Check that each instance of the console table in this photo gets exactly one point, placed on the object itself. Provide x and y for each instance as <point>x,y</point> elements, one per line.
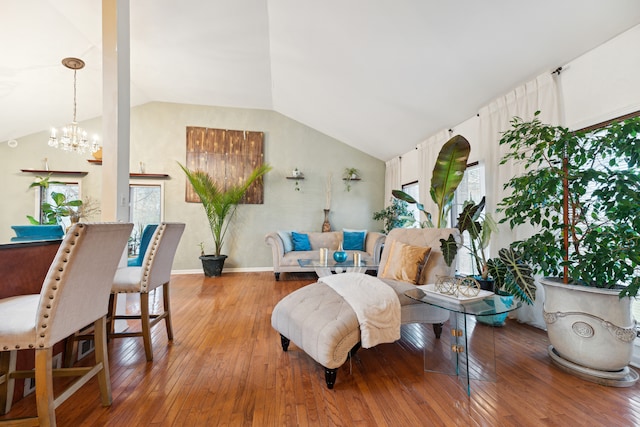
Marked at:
<point>469,353</point>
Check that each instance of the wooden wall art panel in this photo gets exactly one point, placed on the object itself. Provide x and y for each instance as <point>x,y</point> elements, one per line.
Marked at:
<point>228,157</point>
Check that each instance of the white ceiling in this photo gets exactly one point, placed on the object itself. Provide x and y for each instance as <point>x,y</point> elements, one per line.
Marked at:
<point>380,75</point>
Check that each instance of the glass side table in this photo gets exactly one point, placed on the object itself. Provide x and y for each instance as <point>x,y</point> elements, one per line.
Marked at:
<point>469,353</point>
<point>330,267</point>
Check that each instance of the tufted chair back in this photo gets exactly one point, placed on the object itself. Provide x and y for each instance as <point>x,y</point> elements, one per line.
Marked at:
<point>156,267</point>
<point>76,289</point>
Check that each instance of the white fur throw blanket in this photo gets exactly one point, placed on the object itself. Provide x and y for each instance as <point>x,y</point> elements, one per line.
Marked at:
<point>375,303</point>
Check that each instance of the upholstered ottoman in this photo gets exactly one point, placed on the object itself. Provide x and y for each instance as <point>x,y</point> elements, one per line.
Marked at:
<point>321,323</point>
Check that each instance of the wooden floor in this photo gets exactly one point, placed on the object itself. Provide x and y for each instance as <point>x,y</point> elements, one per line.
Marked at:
<point>226,367</point>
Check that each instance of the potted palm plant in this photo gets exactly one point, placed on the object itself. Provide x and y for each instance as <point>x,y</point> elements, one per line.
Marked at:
<point>580,190</point>
<point>219,205</point>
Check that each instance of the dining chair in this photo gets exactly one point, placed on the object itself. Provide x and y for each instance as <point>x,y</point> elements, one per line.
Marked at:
<point>147,232</point>
<point>74,294</point>
<point>154,272</point>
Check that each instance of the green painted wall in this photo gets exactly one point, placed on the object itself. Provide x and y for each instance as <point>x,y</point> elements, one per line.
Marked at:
<point>158,132</point>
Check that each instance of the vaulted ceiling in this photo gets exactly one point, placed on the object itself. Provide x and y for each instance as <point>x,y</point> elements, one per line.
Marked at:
<point>378,75</point>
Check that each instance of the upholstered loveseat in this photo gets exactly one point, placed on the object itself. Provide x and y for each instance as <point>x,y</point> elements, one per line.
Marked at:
<point>286,251</point>
<point>321,323</point>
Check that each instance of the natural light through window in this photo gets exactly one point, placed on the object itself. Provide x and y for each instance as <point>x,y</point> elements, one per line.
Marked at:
<point>472,187</point>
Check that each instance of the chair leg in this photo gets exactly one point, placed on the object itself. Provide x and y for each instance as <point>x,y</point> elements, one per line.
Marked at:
<point>44,387</point>
<point>70,351</point>
<point>167,309</point>
<point>7,365</point>
<point>146,326</point>
<point>100,340</point>
<point>111,312</point>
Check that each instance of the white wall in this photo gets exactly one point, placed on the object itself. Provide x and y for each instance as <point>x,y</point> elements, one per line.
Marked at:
<point>158,138</point>
<point>600,85</point>
<point>604,83</point>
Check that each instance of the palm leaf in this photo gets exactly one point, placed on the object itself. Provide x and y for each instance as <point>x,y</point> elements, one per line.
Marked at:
<point>219,204</point>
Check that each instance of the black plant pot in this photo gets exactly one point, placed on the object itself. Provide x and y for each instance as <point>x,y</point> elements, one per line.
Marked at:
<point>485,284</point>
<point>212,264</point>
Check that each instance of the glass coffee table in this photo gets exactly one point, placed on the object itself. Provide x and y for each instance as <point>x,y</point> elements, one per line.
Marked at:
<point>469,351</point>
<point>331,267</point>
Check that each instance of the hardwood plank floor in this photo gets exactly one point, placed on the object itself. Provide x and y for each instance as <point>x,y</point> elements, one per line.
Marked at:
<point>226,367</point>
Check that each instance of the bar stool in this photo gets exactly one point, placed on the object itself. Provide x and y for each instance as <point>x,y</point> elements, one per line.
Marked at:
<point>75,293</point>
<point>154,272</point>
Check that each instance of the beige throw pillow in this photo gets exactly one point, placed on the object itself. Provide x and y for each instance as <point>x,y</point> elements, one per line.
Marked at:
<point>405,262</point>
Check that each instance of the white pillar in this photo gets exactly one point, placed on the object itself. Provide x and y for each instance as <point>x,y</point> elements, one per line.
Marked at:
<point>116,110</point>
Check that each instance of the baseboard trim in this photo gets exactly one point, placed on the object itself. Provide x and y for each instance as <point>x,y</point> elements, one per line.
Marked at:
<point>226,269</point>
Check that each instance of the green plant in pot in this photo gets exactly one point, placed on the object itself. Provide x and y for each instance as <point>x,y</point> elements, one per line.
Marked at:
<point>61,207</point>
<point>349,175</point>
<point>396,215</point>
<point>506,274</point>
<point>447,175</point>
<point>580,191</point>
<point>50,223</point>
<point>219,205</point>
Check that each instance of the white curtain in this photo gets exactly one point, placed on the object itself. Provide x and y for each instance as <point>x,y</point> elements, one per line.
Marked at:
<point>392,179</point>
<point>541,95</point>
<point>428,151</point>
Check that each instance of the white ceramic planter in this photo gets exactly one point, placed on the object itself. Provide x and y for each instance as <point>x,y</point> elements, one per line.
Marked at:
<point>590,327</point>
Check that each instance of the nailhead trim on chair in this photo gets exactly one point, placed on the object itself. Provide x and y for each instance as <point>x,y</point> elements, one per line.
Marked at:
<point>152,249</point>
<point>54,288</point>
<point>61,269</point>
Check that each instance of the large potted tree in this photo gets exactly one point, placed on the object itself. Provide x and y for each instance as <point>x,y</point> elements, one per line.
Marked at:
<point>219,205</point>
<point>580,191</point>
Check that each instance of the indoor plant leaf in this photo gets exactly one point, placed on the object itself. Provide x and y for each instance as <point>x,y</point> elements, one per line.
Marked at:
<point>448,172</point>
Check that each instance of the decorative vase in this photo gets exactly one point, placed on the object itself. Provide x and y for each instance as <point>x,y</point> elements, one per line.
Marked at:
<point>497,319</point>
<point>591,331</point>
<point>340,255</point>
<point>326,225</point>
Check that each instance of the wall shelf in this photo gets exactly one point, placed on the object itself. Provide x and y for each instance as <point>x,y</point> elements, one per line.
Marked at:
<point>81,173</point>
<point>295,177</point>
<point>352,179</point>
<point>54,172</point>
<point>149,175</point>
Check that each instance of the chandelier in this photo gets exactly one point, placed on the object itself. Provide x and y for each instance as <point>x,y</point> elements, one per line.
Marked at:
<point>73,137</point>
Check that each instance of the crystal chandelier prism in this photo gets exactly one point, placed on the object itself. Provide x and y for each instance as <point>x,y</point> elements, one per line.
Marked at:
<point>72,137</point>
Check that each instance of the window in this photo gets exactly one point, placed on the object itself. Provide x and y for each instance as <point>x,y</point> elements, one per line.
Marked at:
<point>146,206</point>
<point>413,189</point>
<point>472,187</point>
<point>71,191</point>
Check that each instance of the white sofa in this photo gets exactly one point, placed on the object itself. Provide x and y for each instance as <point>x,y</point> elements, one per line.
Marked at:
<point>286,261</point>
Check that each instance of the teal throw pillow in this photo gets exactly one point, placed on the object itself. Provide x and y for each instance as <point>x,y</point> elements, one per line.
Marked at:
<point>353,240</point>
<point>286,240</point>
<point>300,241</point>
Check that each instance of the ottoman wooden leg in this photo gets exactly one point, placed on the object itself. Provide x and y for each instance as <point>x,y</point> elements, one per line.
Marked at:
<point>285,342</point>
<point>330,377</point>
